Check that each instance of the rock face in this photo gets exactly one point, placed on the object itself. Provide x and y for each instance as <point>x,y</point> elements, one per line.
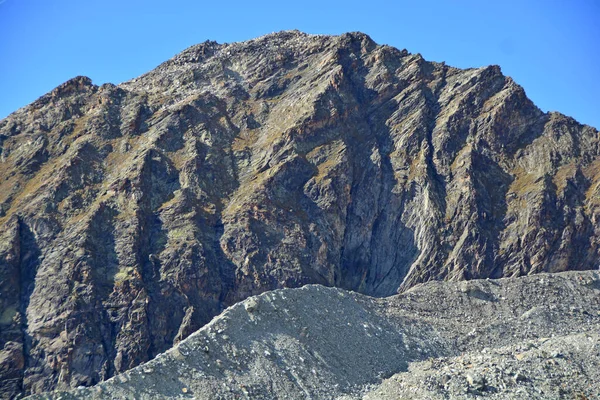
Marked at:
<point>516,338</point>
<point>130,215</point>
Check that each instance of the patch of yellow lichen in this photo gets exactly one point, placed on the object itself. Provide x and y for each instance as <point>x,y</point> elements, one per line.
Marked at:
<point>592,173</point>
<point>461,158</point>
<point>524,182</point>
<point>325,167</point>
<point>562,176</point>
<point>123,274</point>
<point>245,140</point>
<point>418,166</point>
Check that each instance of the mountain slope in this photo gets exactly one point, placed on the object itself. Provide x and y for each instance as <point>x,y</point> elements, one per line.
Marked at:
<point>130,215</point>
<point>326,343</point>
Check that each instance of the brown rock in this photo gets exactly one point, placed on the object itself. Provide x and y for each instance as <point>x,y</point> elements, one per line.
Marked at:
<point>132,214</point>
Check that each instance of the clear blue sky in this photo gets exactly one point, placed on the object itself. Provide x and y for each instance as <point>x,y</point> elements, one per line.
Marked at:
<point>550,47</point>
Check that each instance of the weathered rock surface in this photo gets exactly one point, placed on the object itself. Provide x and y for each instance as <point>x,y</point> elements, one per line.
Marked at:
<point>131,214</point>
<point>515,338</point>
<point>563,367</point>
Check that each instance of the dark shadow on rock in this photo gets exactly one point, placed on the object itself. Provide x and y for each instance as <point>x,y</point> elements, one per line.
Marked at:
<point>29,261</point>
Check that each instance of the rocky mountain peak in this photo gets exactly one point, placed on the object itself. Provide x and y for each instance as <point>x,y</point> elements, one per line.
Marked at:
<point>131,214</point>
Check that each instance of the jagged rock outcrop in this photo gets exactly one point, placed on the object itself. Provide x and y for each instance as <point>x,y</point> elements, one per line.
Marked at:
<point>131,214</point>
<point>516,338</point>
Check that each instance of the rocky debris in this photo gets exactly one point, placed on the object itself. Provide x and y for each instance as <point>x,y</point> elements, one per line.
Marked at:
<point>132,214</point>
<point>290,345</point>
<point>318,342</point>
<point>524,371</point>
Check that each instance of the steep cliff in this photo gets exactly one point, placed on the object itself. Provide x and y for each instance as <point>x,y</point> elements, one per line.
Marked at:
<point>130,215</point>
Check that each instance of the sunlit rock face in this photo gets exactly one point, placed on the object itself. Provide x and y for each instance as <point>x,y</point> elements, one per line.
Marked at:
<point>131,214</point>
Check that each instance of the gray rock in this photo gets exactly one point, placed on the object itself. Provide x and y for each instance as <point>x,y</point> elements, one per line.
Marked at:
<point>411,346</point>
<point>477,382</point>
<point>134,213</point>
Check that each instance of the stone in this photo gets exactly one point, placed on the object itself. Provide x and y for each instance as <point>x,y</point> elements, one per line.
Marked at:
<point>132,214</point>
<point>476,381</point>
<point>266,358</point>
<point>519,377</point>
<point>251,305</point>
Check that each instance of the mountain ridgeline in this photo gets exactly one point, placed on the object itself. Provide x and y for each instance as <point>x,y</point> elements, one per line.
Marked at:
<point>132,214</point>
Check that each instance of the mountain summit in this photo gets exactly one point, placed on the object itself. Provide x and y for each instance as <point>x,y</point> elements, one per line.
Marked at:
<point>131,214</point>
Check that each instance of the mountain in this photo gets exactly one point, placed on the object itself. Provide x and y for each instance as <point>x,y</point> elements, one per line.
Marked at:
<point>132,214</point>
<point>514,338</point>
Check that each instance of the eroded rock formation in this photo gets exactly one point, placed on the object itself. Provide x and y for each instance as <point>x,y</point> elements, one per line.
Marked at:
<point>131,214</point>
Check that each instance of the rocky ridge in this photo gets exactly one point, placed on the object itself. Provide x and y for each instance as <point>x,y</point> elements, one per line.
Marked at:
<point>534,337</point>
<point>131,214</point>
